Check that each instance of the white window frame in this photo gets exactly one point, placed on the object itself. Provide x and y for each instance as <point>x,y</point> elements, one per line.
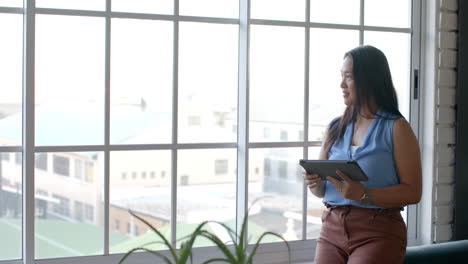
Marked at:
<point>268,253</point>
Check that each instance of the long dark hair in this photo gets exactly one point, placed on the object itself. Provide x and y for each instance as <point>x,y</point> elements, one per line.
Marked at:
<point>372,81</point>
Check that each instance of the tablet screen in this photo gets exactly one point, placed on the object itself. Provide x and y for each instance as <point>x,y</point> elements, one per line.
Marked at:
<point>326,168</point>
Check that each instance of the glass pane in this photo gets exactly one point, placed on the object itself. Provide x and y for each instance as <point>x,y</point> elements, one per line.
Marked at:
<point>73,4</point>
<point>276,182</point>
<point>69,204</point>
<point>276,83</point>
<point>11,3</point>
<point>397,49</point>
<point>142,185</point>
<point>210,8</point>
<point>315,206</point>
<point>292,10</point>
<point>10,205</point>
<point>11,81</point>
<point>144,6</point>
<point>141,79</point>
<point>69,80</point>
<point>325,95</point>
<point>208,82</point>
<point>335,11</point>
<point>206,190</point>
<point>396,13</point>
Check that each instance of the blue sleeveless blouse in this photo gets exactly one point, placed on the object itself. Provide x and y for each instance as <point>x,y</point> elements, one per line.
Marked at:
<point>374,156</point>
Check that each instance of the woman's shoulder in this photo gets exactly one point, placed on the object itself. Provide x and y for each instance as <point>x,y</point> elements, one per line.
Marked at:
<point>400,125</point>
<point>388,115</point>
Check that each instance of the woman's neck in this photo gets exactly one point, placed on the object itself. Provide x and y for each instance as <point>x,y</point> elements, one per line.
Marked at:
<point>367,111</point>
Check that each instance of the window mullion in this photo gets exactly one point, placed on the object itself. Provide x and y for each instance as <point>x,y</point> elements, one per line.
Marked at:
<point>243,112</point>
<point>175,131</point>
<point>107,127</point>
<point>306,115</point>
<point>28,130</point>
<point>361,22</point>
<point>412,214</point>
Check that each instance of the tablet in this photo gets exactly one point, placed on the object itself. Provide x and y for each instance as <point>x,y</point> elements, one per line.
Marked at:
<point>326,168</point>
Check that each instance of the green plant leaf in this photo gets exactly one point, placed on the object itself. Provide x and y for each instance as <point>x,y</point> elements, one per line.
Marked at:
<point>255,247</point>
<point>166,242</point>
<point>163,257</point>
<point>221,246</point>
<point>218,260</point>
<point>186,248</point>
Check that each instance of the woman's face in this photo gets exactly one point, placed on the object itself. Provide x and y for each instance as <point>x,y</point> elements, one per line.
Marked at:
<point>347,81</point>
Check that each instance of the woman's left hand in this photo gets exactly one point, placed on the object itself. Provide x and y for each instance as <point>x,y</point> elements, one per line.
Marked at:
<point>348,188</point>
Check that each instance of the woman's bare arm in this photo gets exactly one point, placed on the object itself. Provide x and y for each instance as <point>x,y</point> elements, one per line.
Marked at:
<point>408,165</point>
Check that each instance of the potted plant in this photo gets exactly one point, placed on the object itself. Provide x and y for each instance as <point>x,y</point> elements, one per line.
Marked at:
<point>181,256</point>
<point>238,255</point>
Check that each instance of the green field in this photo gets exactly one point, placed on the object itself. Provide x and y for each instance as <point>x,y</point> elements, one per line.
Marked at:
<point>55,239</point>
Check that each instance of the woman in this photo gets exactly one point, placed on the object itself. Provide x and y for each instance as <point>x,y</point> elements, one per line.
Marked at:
<point>362,223</point>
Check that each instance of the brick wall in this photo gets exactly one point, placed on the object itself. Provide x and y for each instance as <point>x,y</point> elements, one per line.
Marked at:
<point>443,197</point>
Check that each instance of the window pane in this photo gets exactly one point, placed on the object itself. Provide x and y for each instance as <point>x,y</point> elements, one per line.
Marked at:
<point>11,3</point>
<point>147,197</point>
<point>69,80</point>
<point>141,79</point>
<point>210,8</point>
<point>63,226</point>
<point>315,206</point>
<point>397,49</point>
<point>335,11</point>
<point>201,193</point>
<point>396,13</point>
<point>144,6</point>
<point>11,81</point>
<point>279,181</point>
<point>325,95</point>
<point>276,83</point>
<point>10,206</point>
<point>208,82</point>
<point>73,4</point>
<point>293,10</point>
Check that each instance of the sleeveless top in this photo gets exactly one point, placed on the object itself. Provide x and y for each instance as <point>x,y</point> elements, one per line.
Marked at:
<point>374,156</point>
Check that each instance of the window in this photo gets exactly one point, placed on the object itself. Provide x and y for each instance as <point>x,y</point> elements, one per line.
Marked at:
<point>78,211</point>
<point>41,161</point>
<point>221,167</point>
<point>42,192</point>
<point>266,132</point>
<point>301,135</point>
<point>89,171</point>
<point>89,212</point>
<point>194,120</point>
<point>62,206</point>
<point>5,156</point>
<point>79,169</point>
<point>18,158</point>
<point>284,135</point>
<point>61,165</point>
<point>116,225</point>
<point>267,167</point>
<point>124,108</point>
<point>283,169</point>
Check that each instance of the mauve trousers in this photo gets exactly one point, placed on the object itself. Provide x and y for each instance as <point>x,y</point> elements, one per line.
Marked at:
<point>356,235</point>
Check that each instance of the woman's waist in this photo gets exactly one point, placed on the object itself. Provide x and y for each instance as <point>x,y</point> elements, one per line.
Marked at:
<point>349,207</point>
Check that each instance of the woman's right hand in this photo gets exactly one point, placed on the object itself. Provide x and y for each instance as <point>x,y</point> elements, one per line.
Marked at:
<point>314,183</point>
